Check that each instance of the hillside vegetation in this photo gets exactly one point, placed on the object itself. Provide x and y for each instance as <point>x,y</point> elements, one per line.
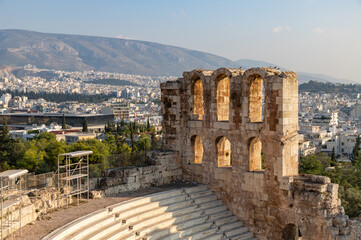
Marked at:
<point>326,87</point>
<point>80,53</point>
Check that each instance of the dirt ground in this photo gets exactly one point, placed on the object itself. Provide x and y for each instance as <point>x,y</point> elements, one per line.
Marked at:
<point>60,217</point>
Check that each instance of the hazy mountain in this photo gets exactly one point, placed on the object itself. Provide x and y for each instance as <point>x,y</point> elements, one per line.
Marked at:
<point>249,63</point>
<point>75,52</point>
<point>302,76</point>
<point>305,77</point>
<point>78,53</point>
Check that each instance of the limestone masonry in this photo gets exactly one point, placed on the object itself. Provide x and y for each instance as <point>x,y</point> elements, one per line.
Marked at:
<point>236,131</point>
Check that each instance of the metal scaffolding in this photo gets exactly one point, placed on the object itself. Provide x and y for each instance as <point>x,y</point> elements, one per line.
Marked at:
<point>73,174</point>
<point>10,188</point>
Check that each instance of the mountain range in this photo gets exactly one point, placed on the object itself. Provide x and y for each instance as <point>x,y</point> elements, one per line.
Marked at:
<point>79,53</point>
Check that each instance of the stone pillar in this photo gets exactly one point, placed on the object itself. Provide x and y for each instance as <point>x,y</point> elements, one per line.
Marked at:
<point>170,104</point>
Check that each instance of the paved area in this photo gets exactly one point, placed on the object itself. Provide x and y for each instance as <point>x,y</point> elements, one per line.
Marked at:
<point>60,217</point>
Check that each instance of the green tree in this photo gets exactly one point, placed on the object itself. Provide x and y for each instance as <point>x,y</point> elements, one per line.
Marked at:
<point>131,135</point>
<point>10,149</point>
<point>333,157</point>
<point>33,156</point>
<point>52,150</point>
<point>111,141</point>
<point>85,125</point>
<point>148,125</point>
<point>311,165</point>
<point>144,143</point>
<point>154,141</point>
<point>356,148</point>
<point>100,149</point>
<point>63,122</point>
<point>351,200</point>
<point>118,128</point>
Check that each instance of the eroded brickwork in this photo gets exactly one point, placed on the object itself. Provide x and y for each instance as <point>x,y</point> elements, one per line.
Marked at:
<point>247,122</point>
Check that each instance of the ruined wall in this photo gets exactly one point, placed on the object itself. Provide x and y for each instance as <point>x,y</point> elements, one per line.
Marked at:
<point>35,204</point>
<point>165,169</point>
<point>256,174</point>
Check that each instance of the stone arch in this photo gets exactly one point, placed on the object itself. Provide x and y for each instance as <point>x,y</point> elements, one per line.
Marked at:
<point>291,232</point>
<point>222,83</point>
<point>256,98</point>
<point>197,146</point>
<point>198,108</point>
<point>255,154</point>
<point>223,147</point>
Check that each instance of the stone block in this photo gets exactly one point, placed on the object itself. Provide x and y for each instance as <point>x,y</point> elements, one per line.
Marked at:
<point>94,194</point>
<point>315,187</point>
<point>221,125</point>
<point>339,222</point>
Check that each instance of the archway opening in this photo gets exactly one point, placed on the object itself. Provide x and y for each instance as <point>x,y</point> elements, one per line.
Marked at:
<point>197,145</point>
<point>256,98</point>
<point>256,161</point>
<point>222,98</point>
<point>198,99</point>
<point>224,158</point>
<point>291,232</point>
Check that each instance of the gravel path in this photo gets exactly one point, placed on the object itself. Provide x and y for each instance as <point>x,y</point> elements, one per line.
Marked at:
<point>60,217</point>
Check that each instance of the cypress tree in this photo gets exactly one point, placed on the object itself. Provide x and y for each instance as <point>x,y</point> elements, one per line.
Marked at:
<point>118,127</point>
<point>6,147</point>
<point>154,142</point>
<point>85,125</point>
<point>148,125</point>
<point>63,122</point>
<point>333,157</point>
<point>132,136</point>
<point>356,149</point>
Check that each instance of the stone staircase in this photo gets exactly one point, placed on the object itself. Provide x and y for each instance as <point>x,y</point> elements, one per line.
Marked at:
<point>187,213</point>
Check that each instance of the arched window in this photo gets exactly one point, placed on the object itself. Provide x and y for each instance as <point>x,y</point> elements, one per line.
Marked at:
<point>255,155</point>
<point>198,99</point>
<point>256,98</point>
<point>197,149</point>
<point>222,98</point>
<point>223,152</point>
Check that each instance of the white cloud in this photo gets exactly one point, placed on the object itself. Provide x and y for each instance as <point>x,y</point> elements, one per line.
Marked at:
<point>319,30</point>
<point>279,29</point>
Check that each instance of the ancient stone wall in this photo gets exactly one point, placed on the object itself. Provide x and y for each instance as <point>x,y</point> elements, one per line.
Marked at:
<point>247,122</point>
<point>165,168</point>
<point>35,204</point>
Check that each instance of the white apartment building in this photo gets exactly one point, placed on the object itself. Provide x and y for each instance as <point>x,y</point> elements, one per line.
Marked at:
<point>325,119</point>
<point>343,144</point>
<point>5,98</point>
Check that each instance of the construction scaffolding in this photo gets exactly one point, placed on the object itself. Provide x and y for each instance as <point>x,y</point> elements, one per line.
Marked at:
<point>10,202</point>
<point>73,174</point>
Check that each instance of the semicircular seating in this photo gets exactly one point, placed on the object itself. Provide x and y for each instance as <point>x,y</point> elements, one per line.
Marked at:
<point>187,213</point>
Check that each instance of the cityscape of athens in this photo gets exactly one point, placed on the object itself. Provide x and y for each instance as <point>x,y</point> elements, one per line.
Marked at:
<point>192,120</point>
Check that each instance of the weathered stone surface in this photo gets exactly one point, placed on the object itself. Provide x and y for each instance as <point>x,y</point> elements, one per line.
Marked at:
<point>35,204</point>
<point>247,122</point>
<point>166,169</point>
<point>94,194</point>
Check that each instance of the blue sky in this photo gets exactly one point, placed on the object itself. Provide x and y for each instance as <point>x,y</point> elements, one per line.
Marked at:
<point>318,36</point>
